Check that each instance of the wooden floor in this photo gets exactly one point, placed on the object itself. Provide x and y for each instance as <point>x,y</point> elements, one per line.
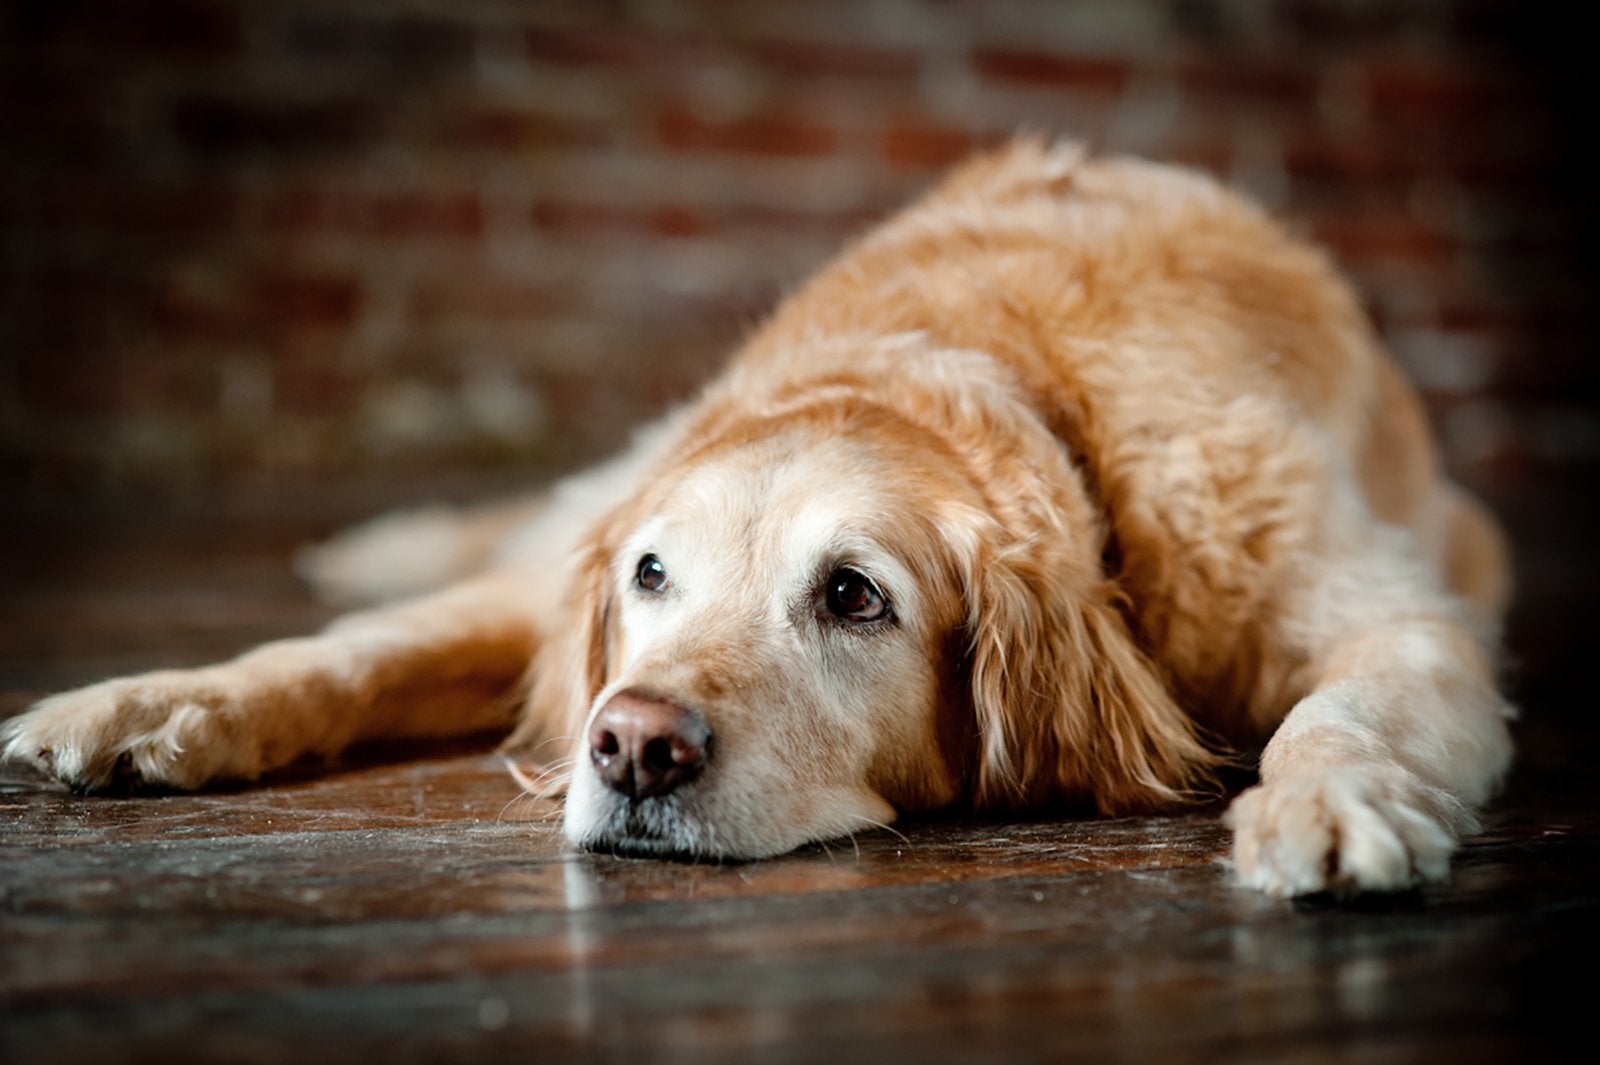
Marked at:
<point>405,905</point>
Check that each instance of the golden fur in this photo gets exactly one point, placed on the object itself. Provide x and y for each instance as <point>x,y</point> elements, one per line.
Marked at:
<point>1129,467</point>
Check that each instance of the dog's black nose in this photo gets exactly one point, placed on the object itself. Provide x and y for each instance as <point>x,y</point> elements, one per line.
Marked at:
<point>642,746</point>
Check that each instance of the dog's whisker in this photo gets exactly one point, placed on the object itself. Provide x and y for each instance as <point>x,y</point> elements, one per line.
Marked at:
<point>519,798</point>
<point>550,781</point>
<point>554,787</point>
<point>554,770</point>
<point>532,783</point>
<point>531,799</point>
<point>886,827</point>
<point>551,739</point>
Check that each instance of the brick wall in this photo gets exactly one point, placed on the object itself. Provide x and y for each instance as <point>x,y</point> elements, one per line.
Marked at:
<point>307,242</point>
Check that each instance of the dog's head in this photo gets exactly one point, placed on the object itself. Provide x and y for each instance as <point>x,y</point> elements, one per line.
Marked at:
<point>832,610</point>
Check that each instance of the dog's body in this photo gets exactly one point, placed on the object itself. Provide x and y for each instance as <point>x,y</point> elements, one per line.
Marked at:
<point>1057,485</point>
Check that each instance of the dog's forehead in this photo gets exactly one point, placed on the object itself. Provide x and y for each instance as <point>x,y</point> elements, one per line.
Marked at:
<point>784,490</point>
<point>782,502</point>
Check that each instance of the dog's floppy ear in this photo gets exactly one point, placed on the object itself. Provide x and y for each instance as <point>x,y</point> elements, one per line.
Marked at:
<point>572,662</point>
<point>1068,707</point>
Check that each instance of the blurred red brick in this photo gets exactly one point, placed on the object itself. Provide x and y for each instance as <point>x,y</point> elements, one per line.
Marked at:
<point>617,45</point>
<point>1062,70</point>
<point>303,300</point>
<point>376,214</point>
<point>491,299</point>
<point>576,217</point>
<point>1205,154</point>
<point>1255,79</point>
<point>677,220</point>
<point>835,58</point>
<point>515,129</point>
<point>1319,22</point>
<point>1357,239</point>
<point>258,303</point>
<point>1421,90</point>
<point>913,143</point>
<point>1319,158</point>
<point>776,133</point>
<point>303,387</point>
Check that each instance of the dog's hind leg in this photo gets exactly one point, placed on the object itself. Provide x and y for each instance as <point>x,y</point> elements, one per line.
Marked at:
<point>407,552</point>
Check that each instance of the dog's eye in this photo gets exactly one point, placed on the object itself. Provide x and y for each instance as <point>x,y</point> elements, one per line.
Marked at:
<point>851,596</point>
<point>652,575</point>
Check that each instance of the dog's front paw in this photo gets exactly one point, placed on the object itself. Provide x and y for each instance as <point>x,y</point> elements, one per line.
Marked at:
<point>1344,828</point>
<point>160,728</point>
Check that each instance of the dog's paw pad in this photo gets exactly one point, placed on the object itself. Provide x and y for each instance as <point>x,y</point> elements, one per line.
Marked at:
<point>1344,829</point>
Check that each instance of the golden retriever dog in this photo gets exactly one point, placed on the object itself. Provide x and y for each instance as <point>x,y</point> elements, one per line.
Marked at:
<point>1052,493</point>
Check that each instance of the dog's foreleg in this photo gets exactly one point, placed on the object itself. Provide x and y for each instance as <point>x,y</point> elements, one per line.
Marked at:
<point>1371,778</point>
<point>445,664</point>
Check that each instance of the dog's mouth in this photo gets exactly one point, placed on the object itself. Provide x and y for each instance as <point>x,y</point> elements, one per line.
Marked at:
<point>653,850</point>
<point>657,828</point>
<point>706,821</point>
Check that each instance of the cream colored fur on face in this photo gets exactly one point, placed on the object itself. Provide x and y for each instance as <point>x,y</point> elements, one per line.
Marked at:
<point>1127,461</point>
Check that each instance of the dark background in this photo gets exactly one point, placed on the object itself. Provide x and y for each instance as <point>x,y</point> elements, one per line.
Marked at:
<point>311,258</point>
